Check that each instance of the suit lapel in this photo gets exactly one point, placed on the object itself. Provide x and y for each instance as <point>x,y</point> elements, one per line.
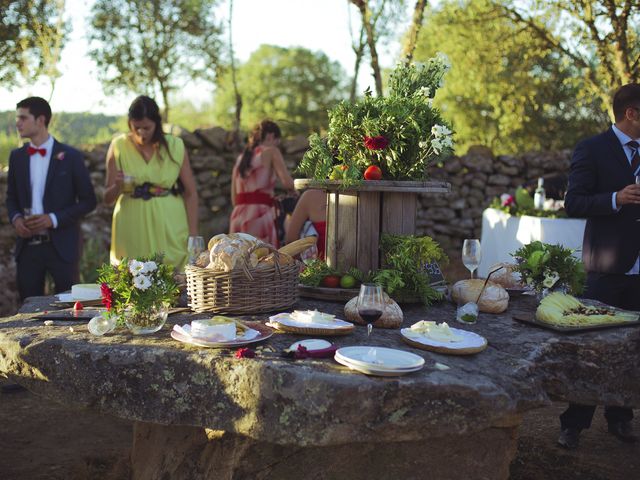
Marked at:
<point>53,164</point>
<point>618,151</point>
<point>26,177</point>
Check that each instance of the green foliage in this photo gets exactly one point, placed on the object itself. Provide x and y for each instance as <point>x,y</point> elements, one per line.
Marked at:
<point>32,34</point>
<point>507,90</point>
<point>409,132</point>
<point>404,257</point>
<point>292,86</point>
<point>515,208</point>
<point>314,272</point>
<point>138,284</point>
<point>94,254</point>
<point>148,47</point>
<point>544,266</point>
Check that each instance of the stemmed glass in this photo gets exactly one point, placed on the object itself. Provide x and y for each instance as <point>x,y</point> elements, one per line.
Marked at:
<point>370,304</point>
<point>471,254</point>
<point>195,246</point>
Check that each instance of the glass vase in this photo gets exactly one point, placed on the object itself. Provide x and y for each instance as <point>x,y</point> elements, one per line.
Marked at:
<point>147,321</point>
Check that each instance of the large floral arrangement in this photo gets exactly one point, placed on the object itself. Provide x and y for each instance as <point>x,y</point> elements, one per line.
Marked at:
<point>137,285</point>
<point>522,204</point>
<point>401,133</point>
<point>544,266</point>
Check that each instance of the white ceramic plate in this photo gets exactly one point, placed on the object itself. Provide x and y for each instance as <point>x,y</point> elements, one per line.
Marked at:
<point>385,358</point>
<point>285,319</point>
<point>469,340</point>
<point>68,298</point>
<point>263,333</point>
<point>376,371</point>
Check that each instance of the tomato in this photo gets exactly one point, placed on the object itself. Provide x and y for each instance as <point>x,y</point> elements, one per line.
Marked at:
<point>78,306</point>
<point>373,173</point>
<point>330,281</point>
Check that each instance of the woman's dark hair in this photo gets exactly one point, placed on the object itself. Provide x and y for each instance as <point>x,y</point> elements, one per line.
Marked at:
<point>146,107</point>
<point>259,133</point>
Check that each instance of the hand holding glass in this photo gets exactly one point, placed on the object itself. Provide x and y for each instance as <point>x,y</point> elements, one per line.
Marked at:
<point>471,254</point>
<point>370,304</point>
<point>195,246</point>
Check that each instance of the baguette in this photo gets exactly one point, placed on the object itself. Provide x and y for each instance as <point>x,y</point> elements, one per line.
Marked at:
<point>298,246</point>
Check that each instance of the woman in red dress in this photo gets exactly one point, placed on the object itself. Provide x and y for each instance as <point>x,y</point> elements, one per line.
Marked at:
<point>311,206</point>
<point>253,181</point>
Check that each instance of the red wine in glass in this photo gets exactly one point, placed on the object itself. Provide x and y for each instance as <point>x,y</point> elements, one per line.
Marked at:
<point>370,304</point>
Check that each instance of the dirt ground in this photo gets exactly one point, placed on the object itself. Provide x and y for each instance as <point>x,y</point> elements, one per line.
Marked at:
<point>41,440</point>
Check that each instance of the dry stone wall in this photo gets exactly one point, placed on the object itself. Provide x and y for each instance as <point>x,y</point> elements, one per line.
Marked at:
<point>476,178</point>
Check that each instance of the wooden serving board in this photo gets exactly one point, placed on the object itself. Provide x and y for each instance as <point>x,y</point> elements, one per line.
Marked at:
<point>530,318</point>
<point>445,350</point>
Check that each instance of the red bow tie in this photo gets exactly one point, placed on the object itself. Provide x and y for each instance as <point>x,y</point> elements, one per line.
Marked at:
<point>32,151</point>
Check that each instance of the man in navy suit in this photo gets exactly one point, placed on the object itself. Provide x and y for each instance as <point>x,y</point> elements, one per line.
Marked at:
<point>49,191</point>
<point>603,189</point>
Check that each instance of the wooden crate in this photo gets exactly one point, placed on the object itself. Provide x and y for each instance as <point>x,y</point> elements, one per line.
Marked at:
<point>358,216</point>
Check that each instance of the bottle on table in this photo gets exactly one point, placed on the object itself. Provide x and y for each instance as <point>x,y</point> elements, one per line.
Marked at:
<point>539,196</point>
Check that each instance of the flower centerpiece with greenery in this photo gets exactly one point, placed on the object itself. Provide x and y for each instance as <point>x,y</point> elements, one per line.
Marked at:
<point>549,267</point>
<point>522,204</point>
<point>401,133</point>
<point>138,292</point>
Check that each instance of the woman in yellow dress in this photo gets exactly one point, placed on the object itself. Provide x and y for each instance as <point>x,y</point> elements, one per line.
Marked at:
<point>152,214</point>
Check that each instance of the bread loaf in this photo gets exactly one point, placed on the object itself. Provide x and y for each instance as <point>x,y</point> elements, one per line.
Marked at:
<point>495,298</point>
<point>505,275</point>
<point>298,246</point>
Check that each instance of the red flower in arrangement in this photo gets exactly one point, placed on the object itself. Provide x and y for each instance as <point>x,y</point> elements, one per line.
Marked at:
<point>245,353</point>
<point>379,142</point>
<point>507,200</point>
<point>107,295</point>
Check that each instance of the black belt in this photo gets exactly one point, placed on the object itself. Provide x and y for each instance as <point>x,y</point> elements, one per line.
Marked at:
<point>38,239</point>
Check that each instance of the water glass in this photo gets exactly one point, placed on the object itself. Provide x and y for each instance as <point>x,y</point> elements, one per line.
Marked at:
<point>128,184</point>
<point>471,254</point>
<point>195,246</point>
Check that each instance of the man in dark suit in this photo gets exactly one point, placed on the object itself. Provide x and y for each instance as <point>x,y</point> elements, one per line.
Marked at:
<point>49,190</point>
<point>602,189</point>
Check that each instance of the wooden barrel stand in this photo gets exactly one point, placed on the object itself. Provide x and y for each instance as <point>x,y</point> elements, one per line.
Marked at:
<point>357,216</point>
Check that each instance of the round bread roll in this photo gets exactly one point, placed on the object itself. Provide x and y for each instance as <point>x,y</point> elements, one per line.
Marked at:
<point>505,275</point>
<point>495,298</point>
<point>391,317</point>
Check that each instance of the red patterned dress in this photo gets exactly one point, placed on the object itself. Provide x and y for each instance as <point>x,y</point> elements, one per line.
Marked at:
<point>253,212</point>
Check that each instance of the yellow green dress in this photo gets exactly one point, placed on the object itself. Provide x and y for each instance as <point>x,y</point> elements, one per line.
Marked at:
<point>143,227</point>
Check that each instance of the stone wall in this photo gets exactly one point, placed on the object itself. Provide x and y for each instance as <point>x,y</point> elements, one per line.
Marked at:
<point>476,178</point>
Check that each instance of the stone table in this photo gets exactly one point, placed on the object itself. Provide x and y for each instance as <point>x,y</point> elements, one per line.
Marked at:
<point>202,413</point>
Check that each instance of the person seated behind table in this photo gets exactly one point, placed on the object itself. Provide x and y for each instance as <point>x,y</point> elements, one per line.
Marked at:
<point>154,216</point>
<point>252,184</point>
<point>312,206</point>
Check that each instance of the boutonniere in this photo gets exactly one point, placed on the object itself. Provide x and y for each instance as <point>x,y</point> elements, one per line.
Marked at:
<point>60,156</point>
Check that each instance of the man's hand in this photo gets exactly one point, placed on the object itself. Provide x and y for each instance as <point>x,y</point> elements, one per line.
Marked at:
<point>628,195</point>
<point>21,229</point>
<point>36,223</point>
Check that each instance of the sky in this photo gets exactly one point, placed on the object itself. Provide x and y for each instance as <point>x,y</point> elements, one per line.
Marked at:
<point>313,24</point>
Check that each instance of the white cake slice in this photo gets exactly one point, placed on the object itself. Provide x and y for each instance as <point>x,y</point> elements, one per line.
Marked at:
<point>85,291</point>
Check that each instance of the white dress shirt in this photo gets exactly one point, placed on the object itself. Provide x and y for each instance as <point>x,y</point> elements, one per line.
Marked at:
<point>623,138</point>
<point>39,166</point>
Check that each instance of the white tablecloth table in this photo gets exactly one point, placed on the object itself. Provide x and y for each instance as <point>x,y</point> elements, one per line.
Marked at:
<point>503,234</point>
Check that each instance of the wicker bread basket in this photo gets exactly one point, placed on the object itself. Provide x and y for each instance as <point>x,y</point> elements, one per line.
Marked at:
<point>265,288</point>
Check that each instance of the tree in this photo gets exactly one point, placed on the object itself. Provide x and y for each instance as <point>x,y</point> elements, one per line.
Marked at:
<point>379,19</point>
<point>149,47</point>
<point>412,36</point>
<point>32,34</point>
<point>506,89</point>
<point>293,86</point>
<point>599,37</point>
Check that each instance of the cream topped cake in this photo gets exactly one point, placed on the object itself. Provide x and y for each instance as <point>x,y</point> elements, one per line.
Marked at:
<point>85,291</point>
<point>440,332</point>
<point>312,316</point>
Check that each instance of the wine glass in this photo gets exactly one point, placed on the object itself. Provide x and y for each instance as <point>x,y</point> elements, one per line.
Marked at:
<point>471,254</point>
<point>195,246</point>
<point>370,304</point>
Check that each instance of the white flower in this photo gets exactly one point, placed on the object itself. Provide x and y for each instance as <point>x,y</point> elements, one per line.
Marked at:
<point>440,131</point>
<point>136,267</point>
<point>443,60</point>
<point>141,282</point>
<point>424,91</point>
<point>149,267</point>
<point>550,279</point>
<point>424,144</point>
<point>436,146</point>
